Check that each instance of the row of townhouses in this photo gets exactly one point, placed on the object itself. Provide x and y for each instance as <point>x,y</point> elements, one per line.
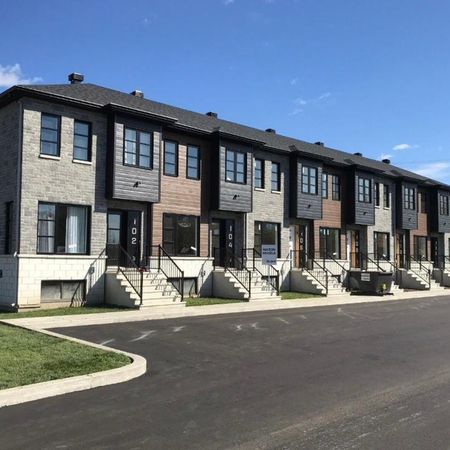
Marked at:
<point>108,196</point>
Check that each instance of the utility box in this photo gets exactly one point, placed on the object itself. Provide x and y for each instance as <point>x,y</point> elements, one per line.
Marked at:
<point>378,283</point>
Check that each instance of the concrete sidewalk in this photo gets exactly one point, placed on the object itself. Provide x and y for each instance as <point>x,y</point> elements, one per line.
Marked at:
<point>180,310</point>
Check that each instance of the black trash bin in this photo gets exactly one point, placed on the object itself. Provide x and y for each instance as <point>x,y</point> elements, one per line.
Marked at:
<point>365,282</point>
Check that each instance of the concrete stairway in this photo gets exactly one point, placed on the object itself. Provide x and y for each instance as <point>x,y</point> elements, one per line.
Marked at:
<point>304,281</point>
<point>417,279</point>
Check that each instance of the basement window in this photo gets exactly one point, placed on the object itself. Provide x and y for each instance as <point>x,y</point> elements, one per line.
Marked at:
<point>63,291</point>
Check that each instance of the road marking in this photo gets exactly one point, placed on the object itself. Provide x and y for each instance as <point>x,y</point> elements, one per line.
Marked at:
<point>238,327</point>
<point>144,334</point>
<point>303,317</point>
<point>283,320</point>
<point>108,341</point>
<point>177,329</point>
<point>255,326</point>
<point>345,313</point>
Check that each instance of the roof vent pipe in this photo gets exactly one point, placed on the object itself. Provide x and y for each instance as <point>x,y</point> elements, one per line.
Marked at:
<point>319,143</point>
<point>358,154</point>
<point>212,114</point>
<point>137,93</point>
<point>271,130</point>
<point>76,78</point>
<point>386,161</point>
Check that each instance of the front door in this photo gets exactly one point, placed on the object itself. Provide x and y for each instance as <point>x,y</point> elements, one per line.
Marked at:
<point>222,241</point>
<point>124,231</point>
<point>400,250</point>
<point>301,255</point>
<point>434,251</point>
<point>355,249</point>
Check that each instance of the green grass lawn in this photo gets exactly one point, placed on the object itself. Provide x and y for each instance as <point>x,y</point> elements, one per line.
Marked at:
<point>298,295</point>
<point>28,357</point>
<point>202,301</point>
<point>66,311</point>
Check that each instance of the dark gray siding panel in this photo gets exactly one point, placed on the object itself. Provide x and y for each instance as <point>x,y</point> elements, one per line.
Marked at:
<point>443,220</point>
<point>364,213</point>
<point>234,196</point>
<point>132,183</point>
<point>407,218</point>
<point>308,206</point>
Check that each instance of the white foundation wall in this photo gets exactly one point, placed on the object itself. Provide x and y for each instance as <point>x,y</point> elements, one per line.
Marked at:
<point>199,268</point>
<point>8,281</point>
<point>33,269</point>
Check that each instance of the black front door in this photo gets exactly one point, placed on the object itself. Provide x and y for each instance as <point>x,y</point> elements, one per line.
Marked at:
<point>222,241</point>
<point>124,231</point>
<point>434,251</point>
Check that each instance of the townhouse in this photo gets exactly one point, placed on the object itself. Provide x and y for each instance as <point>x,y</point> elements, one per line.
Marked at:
<point>109,196</point>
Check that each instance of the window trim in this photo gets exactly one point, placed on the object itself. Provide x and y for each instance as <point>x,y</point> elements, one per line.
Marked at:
<point>336,181</point>
<point>409,198</point>
<point>377,194</point>
<point>278,173</point>
<point>88,228</point>
<point>325,253</point>
<point>375,253</point>
<point>138,148</point>
<point>324,181</point>
<point>309,177</point>
<point>89,149</point>
<point>58,136</point>
<point>198,162</point>
<point>364,195</point>
<point>263,173</point>
<point>234,181</point>
<point>197,233</point>
<point>416,248</point>
<point>278,243</point>
<point>386,196</point>
<point>177,162</point>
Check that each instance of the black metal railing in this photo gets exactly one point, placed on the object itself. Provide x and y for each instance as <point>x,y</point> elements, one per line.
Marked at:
<point>159,259</point>
<point>126,265</point>
<point>234,265</point>
<point>365,261</point>
<point>252,258</point>
<point>419,266</point>
<point>317,270</point>
<point>385,263</point>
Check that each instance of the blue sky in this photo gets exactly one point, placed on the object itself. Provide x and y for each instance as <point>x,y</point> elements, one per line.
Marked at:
<point>359,75</point>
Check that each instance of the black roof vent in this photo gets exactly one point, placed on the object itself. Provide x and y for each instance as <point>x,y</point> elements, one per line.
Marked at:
<point>271,130</point>
<point>358,154</point>
<point>319,143</point>
<point>137,93</point>
<point>386,161</point>
<point>76,78</point>
<point>212,114</point>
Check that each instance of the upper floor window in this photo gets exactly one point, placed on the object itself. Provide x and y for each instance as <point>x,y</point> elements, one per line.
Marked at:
<point>423,202</point>
<point>336,187</point>
<point>377,194</point>
<point>137,149</point>
<point>193,162</point>
<point>409,198</point>
<point>386,196</point>
<point>259,173</point>
<point>50,134</point>
<point>235,167</point>
<point>171,158</point>
<point>309,180</point>
<point>364,190</point>
<point>324,185</point>
<point>444,205</point>
<point>82,141</point>
<point>276,182</point>
<point>62,229</point>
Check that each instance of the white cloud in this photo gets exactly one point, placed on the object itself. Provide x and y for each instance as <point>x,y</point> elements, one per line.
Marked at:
<point>301,102</point>
<point>386,156</point>
<point>437,170</point>
<point>293,81</point>
<point>11,75</point>
<point>227,2</point>
<point>404,147</point>
<point>296,111</point>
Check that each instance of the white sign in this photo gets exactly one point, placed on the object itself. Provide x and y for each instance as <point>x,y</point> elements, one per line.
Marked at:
<point>269,254</point>
<point>365,276</point>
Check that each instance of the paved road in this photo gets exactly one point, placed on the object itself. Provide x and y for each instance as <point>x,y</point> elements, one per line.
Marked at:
<point>369,376</point>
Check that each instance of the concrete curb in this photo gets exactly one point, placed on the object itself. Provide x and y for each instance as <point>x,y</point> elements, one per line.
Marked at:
<point>31,392</point>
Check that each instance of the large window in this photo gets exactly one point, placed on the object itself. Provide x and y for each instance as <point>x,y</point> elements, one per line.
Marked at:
<point>236,166</point>
<point>330,243</point>
<point>8,227</point>
<point>444,205</point>
<point>50,134</point>
<point>386,196</point>
<point>364,190</point>
<point>276,182</point>
<point>267,233</point>
<point>324,185</point>
<point>259,173</point>
<point>420,247</point>
<point>62,229</point>
<point>309,180</point>
<point>171,158</point>
<point>377,194</point>
<point>137,149</point>
<point>193,162</point>
<point>381,245</point>
<point>409,198</point>
<point>180,235</point>
<point>82,141</point>
<point>336,187</point>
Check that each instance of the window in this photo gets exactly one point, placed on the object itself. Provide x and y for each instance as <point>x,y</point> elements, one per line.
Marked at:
<point>180,235</point>
<point>420,247</point>
<point>444,205</point>
<point>8,227</point>
<point>381,245</point>
<point>259,173</point>
<point>62,229</point>
<point>267,233</point>
<point>193,162</point>
<point>171,158</point>
<point>54,291</point>
<point>409,198</point>
<point>50,133</point>
<point>137,149</point>
<point>423,202</point>
<point>276,185</point>
<point>364,190</point>
<point>377,194</point>
<point>236,163</point>
<point>82,141</point>
<point>336,187</point>
<point>324,185</point>
<point>309,180</point>
<point>329,243</point>
<point>386,196</point>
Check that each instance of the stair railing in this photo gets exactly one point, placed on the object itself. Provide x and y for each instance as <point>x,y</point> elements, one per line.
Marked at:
<point>273,274</point>
<point>313,268</point>
<point>392,264</point>
<point>423,273</point>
